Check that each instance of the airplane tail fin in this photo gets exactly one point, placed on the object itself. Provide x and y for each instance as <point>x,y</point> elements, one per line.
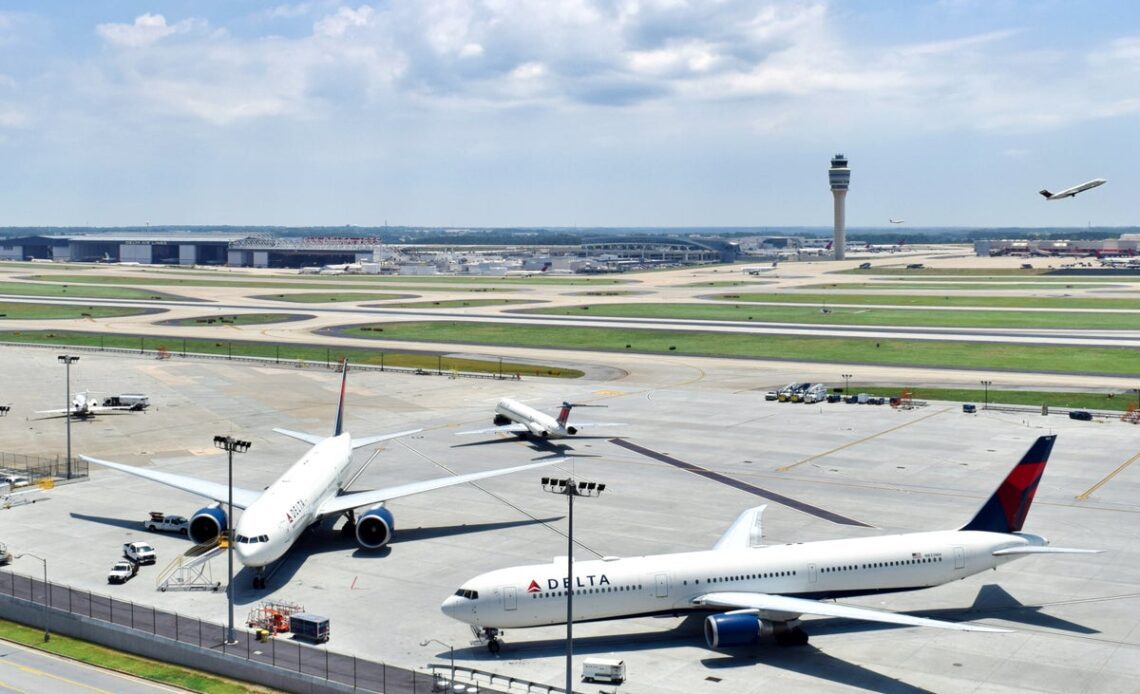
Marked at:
<point>340,407</point>
<point>1046,193</point>
<point>1005,511</point>
<point>564,413</point>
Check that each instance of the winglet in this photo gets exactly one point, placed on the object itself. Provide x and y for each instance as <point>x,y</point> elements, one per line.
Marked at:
<point>340,408</point>
<point>1005,511</point>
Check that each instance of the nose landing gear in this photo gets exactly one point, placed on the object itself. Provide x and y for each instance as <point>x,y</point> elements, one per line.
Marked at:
<point>490,636</point>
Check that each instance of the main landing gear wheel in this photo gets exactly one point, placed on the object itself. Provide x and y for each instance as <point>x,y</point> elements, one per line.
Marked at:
<point>792,637</point>
<point>259,581</point>
<point>494,645</point>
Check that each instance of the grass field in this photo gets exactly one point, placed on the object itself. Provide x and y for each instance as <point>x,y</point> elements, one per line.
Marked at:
<point>9,311</point>
<point>915,317</point>
<point>962,272</point>
<point>315,281</point>
<point>430,362</point>
<point>456,303</point>
<point>328,297</point>
<point>989,356</point>
<point>975,286</point>
<point>931,300</point>
<point>726,283</point>
<point>102,657</point>
<point>81,291</point>
<point>239,319</point>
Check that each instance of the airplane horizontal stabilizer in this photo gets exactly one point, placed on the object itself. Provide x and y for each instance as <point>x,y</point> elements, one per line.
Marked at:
<point>745,532</point>
<point>345,502</point>
<point>1014,551</point>
<point>210,490</point>
<point>784,605</point>
<point>311,439</point>
<point>369,440</point>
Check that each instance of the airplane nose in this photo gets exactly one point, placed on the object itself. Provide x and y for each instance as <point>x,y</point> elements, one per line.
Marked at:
<point>450,606</point>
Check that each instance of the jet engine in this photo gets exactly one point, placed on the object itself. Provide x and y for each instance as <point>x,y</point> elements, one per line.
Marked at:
<point>207,524</point>
<point>571,430</point>
<point>746,629</point>
<point>537,430</point>
<point>375,528</point>
<point>501,420</point>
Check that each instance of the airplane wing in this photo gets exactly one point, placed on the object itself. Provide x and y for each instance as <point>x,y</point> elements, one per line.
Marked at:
<point>369,440</point>
<point>506,429</point>
<point>746,531</point>
<point>594,425</point>
<point>210,490</point>
<point>311,439</point>
<point>351,500</point>
<point>785,605</point>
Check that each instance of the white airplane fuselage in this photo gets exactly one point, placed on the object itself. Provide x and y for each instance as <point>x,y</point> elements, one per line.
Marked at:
<point>531,596</point>
<point>538,423</point>
<point>289,505</point>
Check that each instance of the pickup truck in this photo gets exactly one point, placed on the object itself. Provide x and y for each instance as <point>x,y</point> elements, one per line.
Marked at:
<point>122,571</point>
<point>139,552</point>
<point>171,524</point>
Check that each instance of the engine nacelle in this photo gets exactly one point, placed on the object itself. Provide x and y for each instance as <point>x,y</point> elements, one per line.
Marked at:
<point>207,524</point>
<point>537,429</point>
<point>571,430</point>
<point>727,630</point>
<point>501,420</point>
<point>375,528</point>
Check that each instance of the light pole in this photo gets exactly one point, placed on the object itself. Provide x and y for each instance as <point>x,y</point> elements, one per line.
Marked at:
<point>846,382</point>
<point>570,489</point>
<point>450,682</point>
<point>47,592</point>
<point>229,444</point>
<point>986,394</point>
<point>68,360</point>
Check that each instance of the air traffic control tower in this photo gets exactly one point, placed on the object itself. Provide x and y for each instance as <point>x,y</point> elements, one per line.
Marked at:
<point>840,177</point>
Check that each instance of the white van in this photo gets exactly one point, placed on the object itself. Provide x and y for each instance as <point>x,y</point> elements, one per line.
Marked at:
<point>603,670</point>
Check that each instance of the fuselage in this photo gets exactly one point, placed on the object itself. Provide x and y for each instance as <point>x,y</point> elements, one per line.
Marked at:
<point>269,526</point>
<point>612,588</point>
<point>538,423</point>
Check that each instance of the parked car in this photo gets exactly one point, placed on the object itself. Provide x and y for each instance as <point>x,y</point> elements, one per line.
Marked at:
<point>969,408</point>
<point>1082,415</point>
<point>122,571</point>
<point>140,552</point>
<point>171,524</point>
<point>771,395</point>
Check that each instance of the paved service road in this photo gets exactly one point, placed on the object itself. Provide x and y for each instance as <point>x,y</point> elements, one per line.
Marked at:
<point>34,672</point>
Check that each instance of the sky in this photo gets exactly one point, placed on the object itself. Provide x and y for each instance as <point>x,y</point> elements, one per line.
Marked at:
<point>567,113</point>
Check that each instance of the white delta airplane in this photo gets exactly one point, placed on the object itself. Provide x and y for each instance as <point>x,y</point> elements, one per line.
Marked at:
<point>754,590</point>
<point>1072,192</point>
<point>314,487</point>
<point>83,406</point>
<point>513,417</point>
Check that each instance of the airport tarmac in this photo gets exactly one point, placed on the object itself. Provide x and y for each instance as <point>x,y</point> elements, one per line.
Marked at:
<point>1076,619</point>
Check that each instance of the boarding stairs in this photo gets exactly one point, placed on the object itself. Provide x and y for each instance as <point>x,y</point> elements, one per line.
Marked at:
<point>191,570</point>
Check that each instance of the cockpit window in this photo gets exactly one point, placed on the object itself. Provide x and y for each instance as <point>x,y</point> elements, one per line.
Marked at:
<point>469,594</point>
<point>263,538</point>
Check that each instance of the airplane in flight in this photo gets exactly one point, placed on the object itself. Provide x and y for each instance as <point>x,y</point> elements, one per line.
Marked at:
<point>892,220</point>
<point>753,590</point>
<point>314,487</point>
<point>513,417</point>
<point>1072,192</point>
<point>83,406</point>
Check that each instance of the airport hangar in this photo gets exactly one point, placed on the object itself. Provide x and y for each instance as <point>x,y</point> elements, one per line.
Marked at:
<point>234,250</point>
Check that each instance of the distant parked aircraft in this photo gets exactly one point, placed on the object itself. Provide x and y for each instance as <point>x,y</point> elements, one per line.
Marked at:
<point>1072,192</point>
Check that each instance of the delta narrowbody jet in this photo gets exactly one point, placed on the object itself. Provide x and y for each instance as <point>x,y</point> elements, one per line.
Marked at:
<point>1072,192</point>
<point>754,590</point>
<point>84,407</point>
<point>314,487</point>
<point>513,417</point>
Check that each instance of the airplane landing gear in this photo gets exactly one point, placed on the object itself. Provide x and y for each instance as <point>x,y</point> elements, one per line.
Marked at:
<point>259,579</point>
<point>491,636</point>
<point>349,528</point>
<point>795,636</point>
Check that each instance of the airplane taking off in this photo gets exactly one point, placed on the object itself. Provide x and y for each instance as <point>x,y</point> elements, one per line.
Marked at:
<point>755,590</point>
<point>1072,192</point>
<point>313,488</point>
<point>895,221</point>
<point>513,417</point>
<point>84,407</point>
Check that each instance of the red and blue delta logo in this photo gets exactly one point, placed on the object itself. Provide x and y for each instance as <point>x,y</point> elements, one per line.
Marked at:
<point>533,587</point>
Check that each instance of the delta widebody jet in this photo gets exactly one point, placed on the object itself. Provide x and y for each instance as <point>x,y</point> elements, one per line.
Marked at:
<point>754,590</point>
<point>1072,192</point>
<point>314,487</point>
<point>513,417</point>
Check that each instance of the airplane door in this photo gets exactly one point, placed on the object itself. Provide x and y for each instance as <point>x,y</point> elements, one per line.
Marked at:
<point>662,586</point>
<point>959,558</point>
<point>510,598</point>
<point>811,574</point>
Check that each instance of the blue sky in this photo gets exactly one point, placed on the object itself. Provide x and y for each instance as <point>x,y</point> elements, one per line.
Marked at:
<point>567,112</point>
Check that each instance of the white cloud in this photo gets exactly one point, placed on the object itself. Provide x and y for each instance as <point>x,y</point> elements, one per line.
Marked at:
<point>336,25</point>
<point>146,30</point>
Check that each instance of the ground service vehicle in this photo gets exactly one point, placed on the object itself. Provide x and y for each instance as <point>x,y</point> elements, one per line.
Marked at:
<point>816,393</point>
<point>140,552</point>
<point>135,401</point>
<point>1082,415</point>
<point>122,571</point>
<point>171,524</point>
<point>309,626</point>
<point>785,393</point>
<point>603,670</point>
